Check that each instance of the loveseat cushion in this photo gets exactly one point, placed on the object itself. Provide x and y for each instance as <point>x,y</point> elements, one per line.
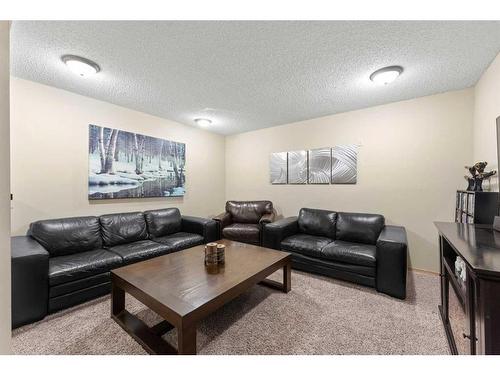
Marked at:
<point>248,233</point>
<point>361,228</point>
<point>67,236</point>
<point>123,228</point>
<point>349,252</point>
<point>72,267</point>
<point>248,212</point>
<point>180,240</point>
<point>140,250</point>
<point>317,222</point>
<point>305,244</point>
<point>163,222</point>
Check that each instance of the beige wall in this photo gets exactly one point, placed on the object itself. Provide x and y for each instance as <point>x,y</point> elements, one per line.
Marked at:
<point>410,164</point>
<point>410,160</point>
<point>4,191</point>
<point>486,110</point>
<point>49,156</point>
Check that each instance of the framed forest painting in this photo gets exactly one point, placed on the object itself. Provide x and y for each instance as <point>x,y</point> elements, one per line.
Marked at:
<point>131,165</point>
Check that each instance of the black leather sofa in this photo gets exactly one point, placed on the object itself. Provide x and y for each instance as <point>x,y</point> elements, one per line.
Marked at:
<point>64,262</point>
<point>351,246</point>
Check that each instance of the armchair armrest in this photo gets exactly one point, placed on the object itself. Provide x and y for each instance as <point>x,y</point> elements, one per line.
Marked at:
<point>224,219</point>
<point>204,227</point>
<point>392,261</point>
<point>30,280</point>
<point>276,232</point>
<point>267,218</point>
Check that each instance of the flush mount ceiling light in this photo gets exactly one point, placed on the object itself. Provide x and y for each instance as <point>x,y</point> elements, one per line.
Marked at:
<point>202,121</point>
<point>80,65</point>
<point>386,75</point>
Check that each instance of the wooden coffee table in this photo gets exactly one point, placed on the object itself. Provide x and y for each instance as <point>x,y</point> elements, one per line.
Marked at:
<point>179,288</point>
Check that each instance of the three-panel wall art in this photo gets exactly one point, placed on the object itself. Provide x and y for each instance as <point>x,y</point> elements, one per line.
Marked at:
<point>335,165</point>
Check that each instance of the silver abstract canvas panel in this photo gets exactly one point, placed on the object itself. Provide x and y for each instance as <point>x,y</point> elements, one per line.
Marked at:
<point>344,164</point>
<point>297,167</point>
<point>278,168</point>
<point>320,166</point>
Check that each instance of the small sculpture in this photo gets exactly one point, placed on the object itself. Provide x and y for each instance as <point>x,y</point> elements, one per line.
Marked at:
<point>460,270</point>
<point>478,175</point>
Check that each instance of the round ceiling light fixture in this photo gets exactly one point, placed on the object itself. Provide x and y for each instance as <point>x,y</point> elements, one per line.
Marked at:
<point>203,121</point>
<point>386,75</point>
<point>80,65</point>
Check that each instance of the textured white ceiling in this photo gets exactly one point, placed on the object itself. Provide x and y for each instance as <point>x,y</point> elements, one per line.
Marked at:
<point>251,75</point>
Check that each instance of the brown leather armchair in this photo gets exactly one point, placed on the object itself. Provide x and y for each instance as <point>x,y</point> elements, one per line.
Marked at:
<point>244,221</point>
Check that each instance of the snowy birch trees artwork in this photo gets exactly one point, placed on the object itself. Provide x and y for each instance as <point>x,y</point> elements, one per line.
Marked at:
<point>131,165</point>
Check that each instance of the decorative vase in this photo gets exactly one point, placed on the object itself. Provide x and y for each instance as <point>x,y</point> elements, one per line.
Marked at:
<point>478,184</point>
<point>471,184</point>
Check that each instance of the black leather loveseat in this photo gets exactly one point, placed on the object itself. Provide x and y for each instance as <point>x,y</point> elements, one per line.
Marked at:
<point>63,262</point>
<point>350,246</point>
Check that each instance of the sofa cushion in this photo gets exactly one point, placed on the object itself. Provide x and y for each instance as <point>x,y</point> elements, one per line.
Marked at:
<point>361,228</point>
<point>69,235</point>
<point>123,228</point>
<point>349,252</point>
<point>163,222</point>
<point>180,240</point>
<point>351,272</point>
<point>72,267</point>
<point>248,212</point>
<point>78,285</point>
<point>305,244</point>
<point>140,250</point>
<point>317,222</point>
<point>249,233</point>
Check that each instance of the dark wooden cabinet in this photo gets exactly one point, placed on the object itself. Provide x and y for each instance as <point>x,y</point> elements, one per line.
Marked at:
<point>479,296</point>
<point>476,207</point>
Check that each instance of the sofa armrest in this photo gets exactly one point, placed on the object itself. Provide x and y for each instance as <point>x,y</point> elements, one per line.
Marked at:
<point>267,218</point>
<point>392,261</point>
<point>30,280</point>
<point>276,232</point>
<point>204,227</point>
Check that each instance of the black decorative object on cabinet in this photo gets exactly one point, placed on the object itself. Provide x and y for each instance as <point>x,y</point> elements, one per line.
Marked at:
<point>478,175</point>
<point>476,207</point>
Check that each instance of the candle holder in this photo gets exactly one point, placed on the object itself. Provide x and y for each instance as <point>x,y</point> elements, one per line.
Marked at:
<point>221,254</point>
<point>215,257</point>
<point>211,254</point>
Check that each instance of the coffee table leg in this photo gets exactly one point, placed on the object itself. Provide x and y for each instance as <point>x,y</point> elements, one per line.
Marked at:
<point>148,337</point>
<point>284,286</point>
<point>186,336</point>
<point>287,277</point>
<point>117,300</point>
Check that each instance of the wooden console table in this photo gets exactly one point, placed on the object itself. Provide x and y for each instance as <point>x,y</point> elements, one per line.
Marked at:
<point>479,296</point>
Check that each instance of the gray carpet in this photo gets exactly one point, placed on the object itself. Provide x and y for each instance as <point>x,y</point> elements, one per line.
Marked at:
<point>319,316</point>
